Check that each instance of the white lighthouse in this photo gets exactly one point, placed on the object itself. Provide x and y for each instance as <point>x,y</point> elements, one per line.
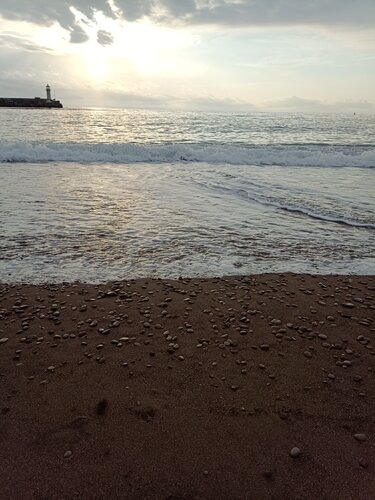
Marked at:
<point>48,90</point>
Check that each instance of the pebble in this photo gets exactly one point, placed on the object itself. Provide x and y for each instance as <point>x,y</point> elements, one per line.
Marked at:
<point>51,368</point>
<point>3,340</point>
<point>68,454</point>
<point>360,437</point>
<point>264,347</point>
<point>267,474</point>
<point>331,376</point>
<point>295,452</point>
<point>307,354</point>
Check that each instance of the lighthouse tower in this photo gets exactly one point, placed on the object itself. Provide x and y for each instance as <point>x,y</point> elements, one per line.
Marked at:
<point>48,90</point>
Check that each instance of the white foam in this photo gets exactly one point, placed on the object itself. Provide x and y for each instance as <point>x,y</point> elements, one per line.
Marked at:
<point>289,155</point>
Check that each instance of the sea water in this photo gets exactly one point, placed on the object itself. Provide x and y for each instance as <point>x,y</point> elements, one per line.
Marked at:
<point>98,194</point>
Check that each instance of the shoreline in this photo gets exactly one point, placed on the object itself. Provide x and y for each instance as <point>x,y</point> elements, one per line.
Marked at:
<point>189,389</point>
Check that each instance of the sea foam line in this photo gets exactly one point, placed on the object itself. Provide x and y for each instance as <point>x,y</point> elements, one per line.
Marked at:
<point>284,155</point>
<point>299,209</point>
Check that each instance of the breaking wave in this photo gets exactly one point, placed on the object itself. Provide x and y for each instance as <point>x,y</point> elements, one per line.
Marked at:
<point>307,155</point>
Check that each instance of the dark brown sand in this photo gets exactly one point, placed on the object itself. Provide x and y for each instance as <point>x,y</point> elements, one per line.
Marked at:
<point>189,389</point>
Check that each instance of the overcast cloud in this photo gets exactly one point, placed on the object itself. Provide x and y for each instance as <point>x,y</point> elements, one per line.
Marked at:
<point>232,13</point>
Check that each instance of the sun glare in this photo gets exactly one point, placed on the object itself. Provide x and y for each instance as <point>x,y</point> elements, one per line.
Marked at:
<point>139,49</point>
<point>96,62</point>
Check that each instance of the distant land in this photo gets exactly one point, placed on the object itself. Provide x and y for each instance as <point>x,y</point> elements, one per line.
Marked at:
<point>26,102</point>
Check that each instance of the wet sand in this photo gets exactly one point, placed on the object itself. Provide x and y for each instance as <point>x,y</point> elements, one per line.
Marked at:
<point>189,389</point>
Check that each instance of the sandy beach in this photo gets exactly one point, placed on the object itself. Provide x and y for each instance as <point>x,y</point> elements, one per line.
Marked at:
<point>255,387</point>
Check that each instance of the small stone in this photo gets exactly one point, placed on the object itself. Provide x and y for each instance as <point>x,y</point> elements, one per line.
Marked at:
<point>102,407</point>
<point>68,454</point>
<point>331,376</point>
<point>307,354</point>
<point>357,378</point>
<point>363,463</point>
<point>51,368</point>
<point>264,347</point>
<point>295,452</point>
<point>360,437</point>
<point>3,340</point>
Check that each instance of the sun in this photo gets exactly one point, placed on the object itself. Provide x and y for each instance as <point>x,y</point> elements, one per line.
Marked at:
<point>95,62</point>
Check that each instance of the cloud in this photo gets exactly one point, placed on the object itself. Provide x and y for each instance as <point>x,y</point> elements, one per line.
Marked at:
<point>285,12</point>
<point>211,103</point>
<point>48,12</point>
<point>16,41</point>
<point>293,102</point>
<point>238,13</point>
<point>78,35</point>
<point>232,13</point>
<point>132,10</point>
<point>300,104</point>
<point>104,37</point>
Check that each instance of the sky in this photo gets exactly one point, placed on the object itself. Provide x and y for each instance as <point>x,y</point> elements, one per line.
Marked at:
<point>209,55</point>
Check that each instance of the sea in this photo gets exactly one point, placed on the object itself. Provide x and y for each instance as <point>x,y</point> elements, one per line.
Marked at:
<point>98,195</point>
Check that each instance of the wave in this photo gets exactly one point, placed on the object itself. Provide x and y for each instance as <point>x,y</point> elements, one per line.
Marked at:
<point>324,217</point>
<point>307,155</point>
<point>299,208</point>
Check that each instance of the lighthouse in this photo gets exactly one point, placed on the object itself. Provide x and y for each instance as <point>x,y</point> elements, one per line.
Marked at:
<point>48,90</point>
